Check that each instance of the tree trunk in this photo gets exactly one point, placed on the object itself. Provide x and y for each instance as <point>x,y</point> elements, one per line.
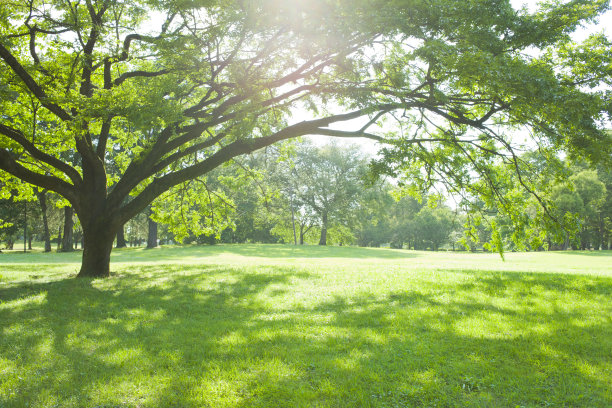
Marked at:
<point>59,239</point>
<point>68,225</point>
<point>152,235</point>
<point>323,239</point>
<point>293,222</point>
<point>97,246</point>
<point>121,238</point>
<point>30,242</point>
<point>42,201</point>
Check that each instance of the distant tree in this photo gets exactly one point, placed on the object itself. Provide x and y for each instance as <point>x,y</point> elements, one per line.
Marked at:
<point>374,218</point>
<point>327,184</point>
<point>605,215</point>
<point>433,226</point>
<point>12,219</point>
<point>41,195</point>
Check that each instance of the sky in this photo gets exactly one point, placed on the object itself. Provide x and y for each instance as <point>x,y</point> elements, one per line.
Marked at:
<point>370,147</point>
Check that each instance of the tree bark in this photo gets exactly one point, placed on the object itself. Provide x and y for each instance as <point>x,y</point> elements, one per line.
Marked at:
<point>323,239</point>
<point>121,238</point>
<point>293,221</point>
<point>59,239</point>
<point>98,243</point>
<point>68,225</point>
<point>42,201</point>
<point>152,235</point>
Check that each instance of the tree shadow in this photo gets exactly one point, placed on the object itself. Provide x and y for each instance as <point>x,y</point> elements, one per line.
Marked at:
<point>198,335</point>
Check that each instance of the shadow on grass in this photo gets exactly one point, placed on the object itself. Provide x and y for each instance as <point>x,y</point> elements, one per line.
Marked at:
<point>212,334</point>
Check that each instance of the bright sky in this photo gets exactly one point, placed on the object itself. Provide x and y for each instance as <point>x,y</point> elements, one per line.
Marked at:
<point>604,24</point>
<point>371,147</point>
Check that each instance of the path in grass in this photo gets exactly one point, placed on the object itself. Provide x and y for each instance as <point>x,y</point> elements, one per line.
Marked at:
<point>267,326</point>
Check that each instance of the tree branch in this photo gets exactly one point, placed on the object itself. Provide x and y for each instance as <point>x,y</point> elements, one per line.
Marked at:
<point>11,166</point>
<point>29,147</point>
<point>32,85</point>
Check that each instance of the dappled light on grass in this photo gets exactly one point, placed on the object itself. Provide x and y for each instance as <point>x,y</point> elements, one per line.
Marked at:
<point>328,333</point>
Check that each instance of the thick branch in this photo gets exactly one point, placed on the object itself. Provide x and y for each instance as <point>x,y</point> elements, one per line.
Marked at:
<point>29,147</point>
<point>11,166</point>
<point>141,74</point>
<point>32,85</point>
<point>342,133</point>
<point>237,148</point>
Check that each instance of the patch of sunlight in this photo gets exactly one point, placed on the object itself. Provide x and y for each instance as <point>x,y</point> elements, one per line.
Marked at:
<point>354,360</point>
<point>23,303</point>
<point>552,353</point>
<point>83,342</point>
<point>7,368</point>
<point>126,390</point>
<point>232,339</point>
<point>220,392</point>
<point>596,372</point>
<point>45,346</point>
<point>272,317</point>
<point>328,388</point>
<point>17,329</point>
<point>48,398</point>
<point>373,336</point>
<point>491,325</point>
<point>123,356</point>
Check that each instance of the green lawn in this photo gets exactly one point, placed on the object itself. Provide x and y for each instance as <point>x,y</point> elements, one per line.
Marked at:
<point>278,326</point>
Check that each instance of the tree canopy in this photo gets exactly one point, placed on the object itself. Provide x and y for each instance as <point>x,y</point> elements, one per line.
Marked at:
<point>164,91</point>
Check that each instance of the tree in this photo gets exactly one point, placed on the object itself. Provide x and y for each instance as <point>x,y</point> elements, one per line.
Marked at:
<point>41,195</point>
<point>433,226</point>
<point>326,184</point>
<point>12,220</point>
<point>205,81</point>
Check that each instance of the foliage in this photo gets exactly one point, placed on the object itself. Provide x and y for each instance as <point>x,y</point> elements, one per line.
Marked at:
<point>163,92</point>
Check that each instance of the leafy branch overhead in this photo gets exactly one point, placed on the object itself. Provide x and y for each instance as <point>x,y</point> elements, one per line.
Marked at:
<point>165,91</point>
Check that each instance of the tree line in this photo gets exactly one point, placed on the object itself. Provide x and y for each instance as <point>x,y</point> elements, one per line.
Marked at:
<point>307,194</point>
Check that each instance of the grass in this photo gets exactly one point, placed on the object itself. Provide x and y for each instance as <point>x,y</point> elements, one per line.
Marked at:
<point>270,326</point>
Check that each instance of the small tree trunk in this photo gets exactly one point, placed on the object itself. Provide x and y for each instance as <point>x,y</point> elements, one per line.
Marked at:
<point>152,235</point>
<point>68,225</point>
<point>121,238</point>
<point>293,222</point>
<point>59,238</point>
<point>42,201</point>
<point>30,242</point>
<point>323,239</point>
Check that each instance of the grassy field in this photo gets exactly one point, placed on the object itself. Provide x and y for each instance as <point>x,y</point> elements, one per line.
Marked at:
<point>279,326</point>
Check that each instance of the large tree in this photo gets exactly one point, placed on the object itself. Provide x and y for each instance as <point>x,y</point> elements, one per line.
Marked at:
<point>173,89</point>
